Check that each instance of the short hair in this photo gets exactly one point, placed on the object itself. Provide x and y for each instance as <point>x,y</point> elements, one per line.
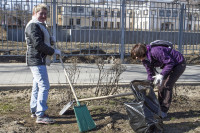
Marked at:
<point>33,12</point>
<point>39,7</point>
<point>139,50</point>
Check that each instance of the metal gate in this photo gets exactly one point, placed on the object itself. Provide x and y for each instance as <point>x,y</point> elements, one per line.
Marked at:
<point>102,27</point>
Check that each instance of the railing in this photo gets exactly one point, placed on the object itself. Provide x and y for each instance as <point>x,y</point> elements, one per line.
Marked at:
<point>88,27</point>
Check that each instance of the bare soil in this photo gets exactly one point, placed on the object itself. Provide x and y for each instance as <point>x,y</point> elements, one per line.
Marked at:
<point>109,115</point>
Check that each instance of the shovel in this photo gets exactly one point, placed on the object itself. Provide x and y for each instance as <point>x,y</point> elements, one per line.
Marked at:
<point>68,105</point>
<point>83,117</point>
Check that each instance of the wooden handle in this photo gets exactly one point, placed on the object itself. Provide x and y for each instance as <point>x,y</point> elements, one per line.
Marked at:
<point>109,96</point>
<point>72,88</point>
<point>104,97</point>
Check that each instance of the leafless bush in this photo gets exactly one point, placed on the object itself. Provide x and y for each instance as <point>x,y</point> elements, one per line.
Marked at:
<point>100,64</point>
<point>111,77</point>
<point>73,73</point>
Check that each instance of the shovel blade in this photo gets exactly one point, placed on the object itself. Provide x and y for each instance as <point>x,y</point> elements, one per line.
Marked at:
<point>84,119</point>
<point>66,107</point>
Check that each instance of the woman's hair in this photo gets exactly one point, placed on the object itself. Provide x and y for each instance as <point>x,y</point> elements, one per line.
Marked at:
<point>139,50</point>
<point>39,7</point>
<point>33,13</point>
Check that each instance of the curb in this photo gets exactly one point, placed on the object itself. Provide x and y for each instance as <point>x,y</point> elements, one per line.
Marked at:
<point>192,83</point>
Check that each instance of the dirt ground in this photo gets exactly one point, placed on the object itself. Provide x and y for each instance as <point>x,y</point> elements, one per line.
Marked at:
<point>109,115</point>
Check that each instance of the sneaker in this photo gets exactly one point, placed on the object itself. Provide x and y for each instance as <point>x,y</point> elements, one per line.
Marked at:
<point>44,120</point>
<point>33,115</point>
<point>163,114</point>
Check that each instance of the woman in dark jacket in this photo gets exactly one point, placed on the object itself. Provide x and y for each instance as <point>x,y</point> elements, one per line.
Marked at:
<point>38,48</point>
<point>172,64</point>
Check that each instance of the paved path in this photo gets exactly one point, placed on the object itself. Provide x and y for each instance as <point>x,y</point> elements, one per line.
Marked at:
<point>20,74</point>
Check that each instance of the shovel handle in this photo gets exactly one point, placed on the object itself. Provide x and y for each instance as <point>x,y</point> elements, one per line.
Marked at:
<point>104,97</point>
<point>109,96</point>
<point>72,88</point>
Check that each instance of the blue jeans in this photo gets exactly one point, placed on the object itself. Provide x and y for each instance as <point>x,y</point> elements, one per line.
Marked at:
<point>40,90</point>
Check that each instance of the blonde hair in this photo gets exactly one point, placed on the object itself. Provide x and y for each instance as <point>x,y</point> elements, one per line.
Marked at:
<point>39,7</point>
<point>33,12</point>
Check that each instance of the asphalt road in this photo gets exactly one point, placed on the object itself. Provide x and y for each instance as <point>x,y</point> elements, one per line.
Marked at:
<point>20,74</point>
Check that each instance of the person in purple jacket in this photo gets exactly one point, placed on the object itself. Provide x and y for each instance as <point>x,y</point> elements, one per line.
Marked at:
<point>172,64</point>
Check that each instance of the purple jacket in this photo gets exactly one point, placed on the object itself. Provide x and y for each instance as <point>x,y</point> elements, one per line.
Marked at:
<point>163,57</point>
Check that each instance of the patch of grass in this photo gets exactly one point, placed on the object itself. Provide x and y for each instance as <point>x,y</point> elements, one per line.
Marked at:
<point>56,124</point>
<point>112,102</point>
<point>173,118</point>
<point>23,105</point>
<point>25,115</point>
<point>5,108</point>
<point>98,109</point>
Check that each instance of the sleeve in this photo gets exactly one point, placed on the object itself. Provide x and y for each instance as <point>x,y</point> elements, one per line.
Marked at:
<point>149,69</point>
<point>37,38</point>
<point>162,55</point>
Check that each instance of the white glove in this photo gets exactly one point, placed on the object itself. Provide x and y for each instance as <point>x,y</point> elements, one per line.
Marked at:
<point>48,60</point>
<point>158,79</point>
<point>57,52</point>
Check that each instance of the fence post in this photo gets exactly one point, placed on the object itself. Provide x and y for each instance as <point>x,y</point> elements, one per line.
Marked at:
<point>180,34</point>
<point>122,31</point>
<point>54,26</point>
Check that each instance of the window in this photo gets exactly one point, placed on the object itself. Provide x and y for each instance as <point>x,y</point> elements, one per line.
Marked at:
<point>74,9</point>
<point>145,12</point>
<point>172,26</point>
<point>189,15</point>
<point>189,27</point>
<point>130,14</point>
<point>168,13</point>
<point>78,21</point>
<point>118,25</point>
<point>165,26</point>
<point>105,24</point>
<point>93,24</point>
<point>131,25</point>
<point>144,24</point>
<point>112,14</point>
<point>93,13</point>
<point>99,13</point>
<point>174,13</point>
<point>106,14</point>
<point>153,12</point>
<point>59,9</point>
<point>138,12</point>
<point>112,25</point>
<point>71,21</point>
<point>161,13</point>
<point>118,14</point>
<point>99,24</point>
<point>81,9</point>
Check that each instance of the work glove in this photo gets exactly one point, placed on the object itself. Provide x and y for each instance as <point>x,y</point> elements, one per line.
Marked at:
<point>158,79</point>
<point>48,60</point>
<point>57,52</point>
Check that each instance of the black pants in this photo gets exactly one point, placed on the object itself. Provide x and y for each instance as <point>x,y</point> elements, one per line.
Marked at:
<point>166,89</point>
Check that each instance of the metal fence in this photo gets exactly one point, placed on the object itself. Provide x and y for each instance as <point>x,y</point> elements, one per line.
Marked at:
<point>103,27</point>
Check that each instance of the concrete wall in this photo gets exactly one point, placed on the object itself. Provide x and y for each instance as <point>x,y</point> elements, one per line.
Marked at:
<point>111,36</point>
